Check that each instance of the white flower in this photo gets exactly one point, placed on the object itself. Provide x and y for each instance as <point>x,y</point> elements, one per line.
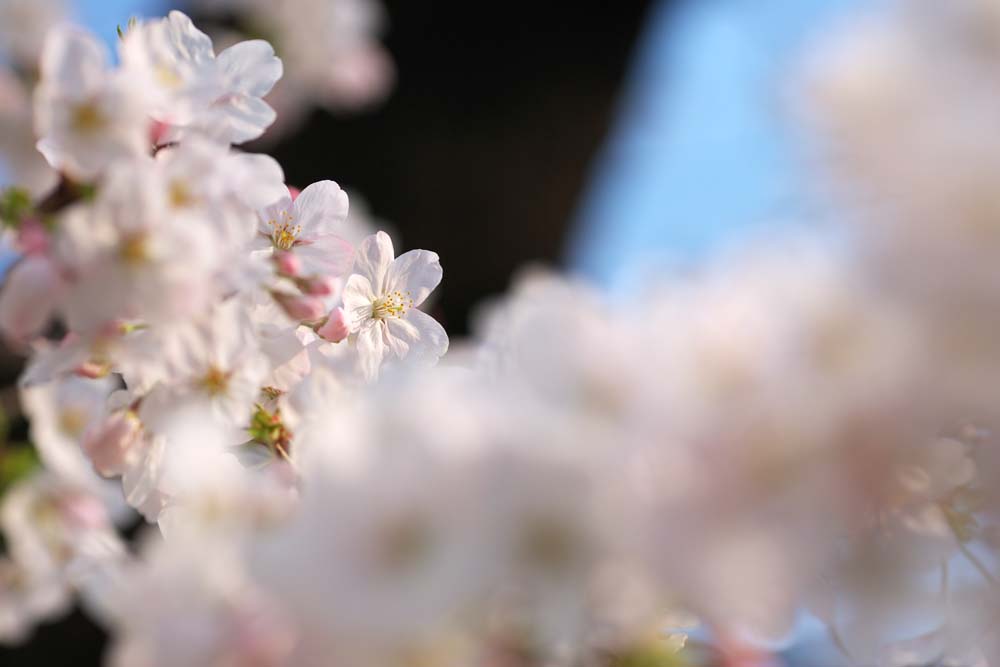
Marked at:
<point>59,537</point>
<point>192,89</point>
<point>381,300</point>
<point>61,413</point>
<point>218,362</point>
<point>133,257</point>
<point>85,115</point>
<point>308,229</point>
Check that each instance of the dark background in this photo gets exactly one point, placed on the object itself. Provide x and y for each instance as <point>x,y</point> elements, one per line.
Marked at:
<point>480,154</point>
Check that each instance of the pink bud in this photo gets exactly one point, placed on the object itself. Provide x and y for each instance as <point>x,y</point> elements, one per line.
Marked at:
<point>293,192</point>
<point>110,444</point>
<point>300,307</point>
<point>335,328</point>
<point>158,132</point>
<point>288,263</point>
<point>320,285</point>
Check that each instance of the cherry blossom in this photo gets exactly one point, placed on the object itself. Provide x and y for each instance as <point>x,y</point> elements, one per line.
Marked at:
<point>381,300</point>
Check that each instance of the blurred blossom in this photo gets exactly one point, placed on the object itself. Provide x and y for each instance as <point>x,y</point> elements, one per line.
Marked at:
<point>800,423</point>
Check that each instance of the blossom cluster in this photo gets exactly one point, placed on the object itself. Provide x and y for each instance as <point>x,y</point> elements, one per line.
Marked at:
<point>800,424</point>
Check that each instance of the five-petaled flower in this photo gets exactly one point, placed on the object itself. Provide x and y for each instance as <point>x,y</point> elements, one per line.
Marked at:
<point>381,300</point>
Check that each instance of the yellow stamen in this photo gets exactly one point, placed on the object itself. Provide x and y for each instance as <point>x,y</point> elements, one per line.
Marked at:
<point>87,118</point>
<point>215,381</point>
<point>283,234</point>
<point>393,304</point>
<point>134,250</point>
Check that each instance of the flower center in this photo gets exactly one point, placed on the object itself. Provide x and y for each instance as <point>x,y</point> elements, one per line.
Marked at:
<point>134,250</point>
<point>393,304</point>
<point>72,421</point>
<point>168,77</point>
<point>179,194</point>
<point>215,381</point>
<point>87,118</point>
<point>283,233</point>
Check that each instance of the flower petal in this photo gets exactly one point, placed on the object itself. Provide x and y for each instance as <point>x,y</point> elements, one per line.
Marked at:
<point>321,209</point>
<point>257,179</point>
<point>358,298</point>
<point>417,272</point>
<point>371,349</point>
<point>238,118</point>
<point>187,42</point>
<point>373,259</point>
<point>73,61</point>
<point>250,67</point>
<point>325,255</point>
<point>417,337</point>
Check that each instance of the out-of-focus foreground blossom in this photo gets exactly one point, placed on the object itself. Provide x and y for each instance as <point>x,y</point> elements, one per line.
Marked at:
<point>800,424</point>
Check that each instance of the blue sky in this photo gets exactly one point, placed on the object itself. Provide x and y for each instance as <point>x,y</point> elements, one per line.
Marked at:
<point>703,148</point>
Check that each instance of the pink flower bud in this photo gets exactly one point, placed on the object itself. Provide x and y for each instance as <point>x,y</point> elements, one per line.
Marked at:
<point>288,263</point>
<point>300,307</point>
<point>158,131</point>
<point>110,444</point>
<point>294,192</point>
<point>335,328</point>
<point>320,285</point>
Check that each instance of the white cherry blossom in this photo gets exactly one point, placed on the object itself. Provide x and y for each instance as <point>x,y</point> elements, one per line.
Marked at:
<point>308,228</point>
<point>86,115</point>
<point>195,91</point>
<point>381,300</point>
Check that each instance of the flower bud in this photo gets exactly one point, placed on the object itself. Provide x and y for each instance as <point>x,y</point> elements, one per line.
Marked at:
<point>300,307</point>
<point>335,328</point>
<point>288,263</point>
<point>319,285</point>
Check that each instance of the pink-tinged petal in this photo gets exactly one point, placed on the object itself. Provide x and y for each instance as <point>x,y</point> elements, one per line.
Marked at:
<point>416,272</point>
<point>29,295</point>
<point>371,350</point>
<point>358,298</point>
<point>373,258</point>
<point>250,67</point>
<point>73,61</point>
<point>320,209</point>
<point>417,337</point>
<point>327,254</point>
